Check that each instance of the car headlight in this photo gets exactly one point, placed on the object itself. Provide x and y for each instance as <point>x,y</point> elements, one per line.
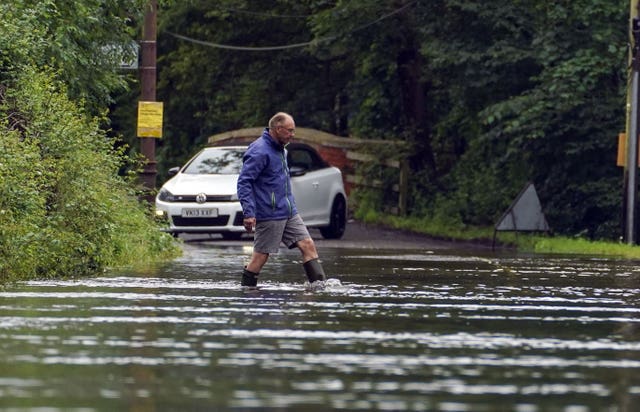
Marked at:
<point>166,196</point>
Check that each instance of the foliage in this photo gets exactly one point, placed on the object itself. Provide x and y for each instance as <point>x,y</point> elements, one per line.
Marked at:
<point>565,245</point>
<point>83,40</point>
<point>557,127</point>
<point>440,227</point>
<point>64,211</point>
<point>22,207</point>
<point>526,243</point>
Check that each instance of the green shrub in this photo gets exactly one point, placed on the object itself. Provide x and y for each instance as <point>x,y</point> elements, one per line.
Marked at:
<point>22,204</point>
<point>64,211</point>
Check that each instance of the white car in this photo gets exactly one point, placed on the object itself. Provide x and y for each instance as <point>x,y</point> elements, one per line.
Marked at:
<point>201,196</point>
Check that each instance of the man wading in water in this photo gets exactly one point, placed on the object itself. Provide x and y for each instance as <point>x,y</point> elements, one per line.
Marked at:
<point>268,206</point>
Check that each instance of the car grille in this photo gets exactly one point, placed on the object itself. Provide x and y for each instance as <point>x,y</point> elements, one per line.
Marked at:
<point>221,220</point>
<point>238,221</point>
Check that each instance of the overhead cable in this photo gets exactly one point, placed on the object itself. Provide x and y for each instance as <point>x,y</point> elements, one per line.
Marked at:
<point>287,46</point>
<point>247,48</point>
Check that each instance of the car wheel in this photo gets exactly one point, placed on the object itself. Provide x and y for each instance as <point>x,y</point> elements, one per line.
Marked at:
<point>337,220</point>
<point>232,235</point>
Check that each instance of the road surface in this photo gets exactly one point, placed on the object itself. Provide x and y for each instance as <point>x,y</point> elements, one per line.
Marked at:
<point>364,236</point>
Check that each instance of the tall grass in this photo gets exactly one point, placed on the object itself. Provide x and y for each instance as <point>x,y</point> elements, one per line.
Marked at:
<point>448,228</point>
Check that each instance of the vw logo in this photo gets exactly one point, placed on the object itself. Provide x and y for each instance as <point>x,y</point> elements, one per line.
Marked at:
<point>201,198</point>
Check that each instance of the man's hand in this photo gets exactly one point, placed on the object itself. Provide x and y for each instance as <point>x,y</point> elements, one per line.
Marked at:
<point>249,224</point>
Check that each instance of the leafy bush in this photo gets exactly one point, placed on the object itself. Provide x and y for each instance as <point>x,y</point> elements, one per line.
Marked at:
<point>21,204</point>
<point>64,211</point>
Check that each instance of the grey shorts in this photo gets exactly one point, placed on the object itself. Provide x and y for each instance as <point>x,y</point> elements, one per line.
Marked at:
<point>270,233</point>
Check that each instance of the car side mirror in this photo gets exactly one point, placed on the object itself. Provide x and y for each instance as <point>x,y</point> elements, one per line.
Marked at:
<point>173,171</point>
<point>297,171</point>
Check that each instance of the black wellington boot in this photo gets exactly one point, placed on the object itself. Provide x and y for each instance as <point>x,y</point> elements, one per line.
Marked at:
<point>314,270</point>
<point>249,278</point>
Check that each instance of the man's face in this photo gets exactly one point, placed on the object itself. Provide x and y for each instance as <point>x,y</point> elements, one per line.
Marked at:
<point>285,132</point>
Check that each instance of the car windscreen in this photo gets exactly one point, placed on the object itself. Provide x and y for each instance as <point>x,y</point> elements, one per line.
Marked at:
<point>216,162</point>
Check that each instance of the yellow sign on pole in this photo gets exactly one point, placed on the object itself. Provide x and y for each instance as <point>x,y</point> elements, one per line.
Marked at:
<point>622,151</point>
<point>150,119</point>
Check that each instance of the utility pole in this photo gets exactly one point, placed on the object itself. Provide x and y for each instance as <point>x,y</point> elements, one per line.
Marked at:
<point>148,83</point>
<point>631,167</point>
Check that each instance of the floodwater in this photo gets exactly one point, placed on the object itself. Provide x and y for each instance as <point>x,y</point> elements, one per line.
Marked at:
<point>395,330</point>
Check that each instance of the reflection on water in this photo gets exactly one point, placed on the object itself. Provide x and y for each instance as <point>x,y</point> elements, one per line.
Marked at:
<point>398,331</point>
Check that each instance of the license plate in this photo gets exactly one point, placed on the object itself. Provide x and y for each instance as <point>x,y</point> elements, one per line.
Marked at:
<point>200,212</point>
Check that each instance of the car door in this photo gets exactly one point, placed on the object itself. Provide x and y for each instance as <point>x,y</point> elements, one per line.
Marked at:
<point>310,188</point>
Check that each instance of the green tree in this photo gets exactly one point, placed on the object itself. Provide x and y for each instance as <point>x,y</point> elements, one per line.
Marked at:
<point>556,125</point>
<point>85,41</point>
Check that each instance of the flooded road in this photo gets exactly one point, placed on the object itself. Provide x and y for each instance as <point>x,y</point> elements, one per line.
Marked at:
<point>394,330</point>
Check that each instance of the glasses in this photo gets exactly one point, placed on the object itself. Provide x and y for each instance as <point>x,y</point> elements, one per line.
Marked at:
<point>291,131</point>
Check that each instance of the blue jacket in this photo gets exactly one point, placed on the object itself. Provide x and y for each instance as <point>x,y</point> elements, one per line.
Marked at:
<point>264,186</point>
